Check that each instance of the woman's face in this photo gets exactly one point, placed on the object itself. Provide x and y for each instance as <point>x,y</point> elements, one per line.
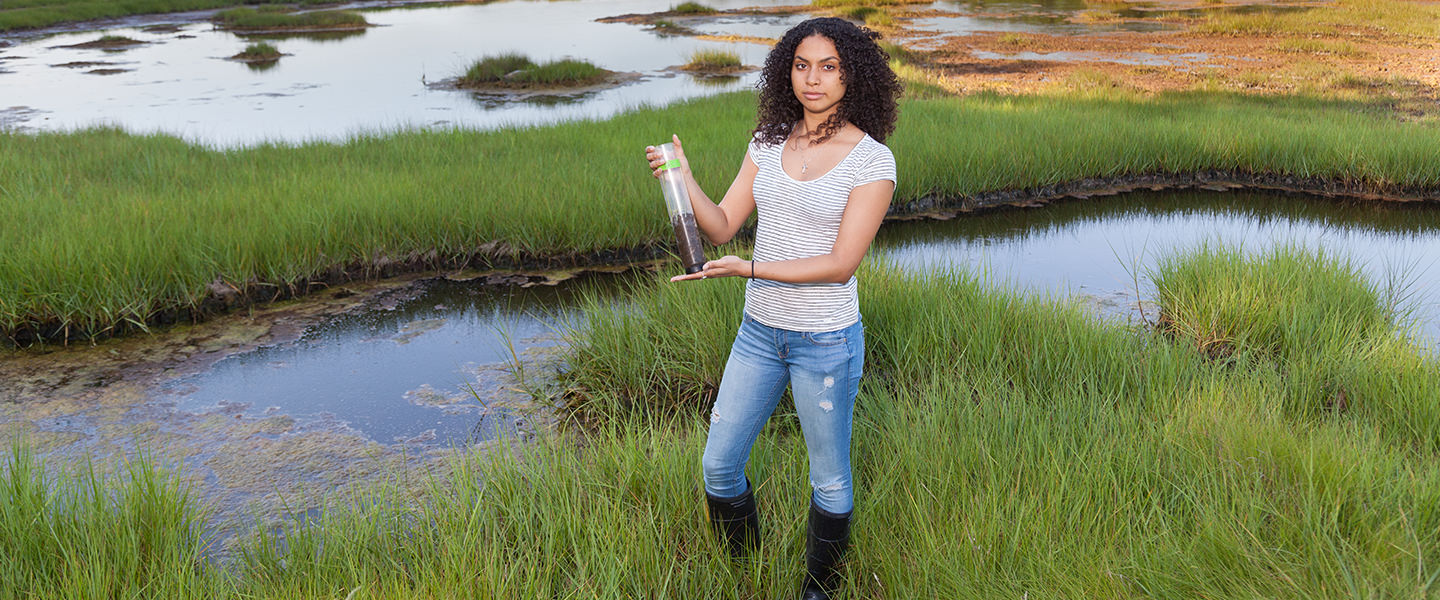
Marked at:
<point>815,74</point>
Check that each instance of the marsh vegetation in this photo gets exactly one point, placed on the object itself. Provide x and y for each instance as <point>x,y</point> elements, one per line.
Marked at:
<point>259,52</point>
<point>275,18</point>
<point>518,71</point>
<point>328,207</point>
<point>1078,457</point>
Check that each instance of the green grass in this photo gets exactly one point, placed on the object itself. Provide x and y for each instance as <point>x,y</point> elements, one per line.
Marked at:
<point>106,228</point>
<point>516,70</point>
<point>80,534</point>
<point>1005,446</point>
<point>28,14</point>
<point>492,69</point>
<point>713,60</point>
<point>692,8</point>
<point>271,18</point>
<point>259,51</point>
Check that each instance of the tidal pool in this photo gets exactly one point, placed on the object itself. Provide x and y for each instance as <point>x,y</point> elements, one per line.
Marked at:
<point>435,370</point>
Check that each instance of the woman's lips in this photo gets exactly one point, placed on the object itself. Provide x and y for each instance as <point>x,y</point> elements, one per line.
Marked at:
<point>813,95</point>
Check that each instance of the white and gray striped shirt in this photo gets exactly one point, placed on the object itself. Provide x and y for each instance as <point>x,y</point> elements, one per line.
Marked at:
<point>800,219</point>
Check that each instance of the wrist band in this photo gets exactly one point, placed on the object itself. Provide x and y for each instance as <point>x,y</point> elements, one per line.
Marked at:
<point>752,268</point>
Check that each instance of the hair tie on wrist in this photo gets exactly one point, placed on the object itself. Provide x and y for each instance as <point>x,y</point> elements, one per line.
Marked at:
<point>752,268</point>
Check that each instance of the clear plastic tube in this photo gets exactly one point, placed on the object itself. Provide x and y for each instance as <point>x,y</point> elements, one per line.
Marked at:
<point>682,216</point>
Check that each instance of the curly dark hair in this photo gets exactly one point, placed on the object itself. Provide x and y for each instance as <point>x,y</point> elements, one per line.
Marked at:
<point>871,88</point>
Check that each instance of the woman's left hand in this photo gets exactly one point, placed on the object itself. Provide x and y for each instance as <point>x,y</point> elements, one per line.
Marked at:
<point>725,266</point>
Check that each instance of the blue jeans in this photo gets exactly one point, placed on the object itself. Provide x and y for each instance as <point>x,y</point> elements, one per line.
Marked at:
<point>823,370</point>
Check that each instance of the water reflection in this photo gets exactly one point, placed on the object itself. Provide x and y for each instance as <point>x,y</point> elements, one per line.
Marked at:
<point>331,87</point>
<point>426,371</point>
<point>1101,248</point>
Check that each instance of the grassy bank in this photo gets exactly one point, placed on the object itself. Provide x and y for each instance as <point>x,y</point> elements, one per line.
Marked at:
<point>1006,446</point>
<point>29,14</point>
<point>274,18</point>
<point>109,228</point>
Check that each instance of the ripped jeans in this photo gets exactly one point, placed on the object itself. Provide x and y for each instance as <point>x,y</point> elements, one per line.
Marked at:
<point>823,370</point>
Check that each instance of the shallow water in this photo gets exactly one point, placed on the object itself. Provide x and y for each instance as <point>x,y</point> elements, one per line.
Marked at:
<point>333,86</point>
<point>433,370</point>
<point>1102,248</point>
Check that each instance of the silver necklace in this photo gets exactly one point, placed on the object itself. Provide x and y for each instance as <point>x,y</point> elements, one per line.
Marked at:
<point>804,160</point>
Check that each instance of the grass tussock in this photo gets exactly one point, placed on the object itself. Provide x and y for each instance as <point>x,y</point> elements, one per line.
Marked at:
<point>279,19</point>
<point>692,8</point>
<point>1104,460</point>
<point>1332,341</point>
<point>516,70</point>
<point>259,51</point>
<point>99,239</point>
<point>713,60</point>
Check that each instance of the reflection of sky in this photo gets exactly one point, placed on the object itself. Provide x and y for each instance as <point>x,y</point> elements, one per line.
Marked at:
<point>329,89</point>
<point>360,368</point>
<point>1071,248</point>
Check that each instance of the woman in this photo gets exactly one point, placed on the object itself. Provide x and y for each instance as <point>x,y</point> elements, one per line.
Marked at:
<point>821,181</point>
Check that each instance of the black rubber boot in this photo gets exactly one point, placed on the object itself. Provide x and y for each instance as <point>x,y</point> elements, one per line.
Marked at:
<point>824,548</point>
<point>736,520</point>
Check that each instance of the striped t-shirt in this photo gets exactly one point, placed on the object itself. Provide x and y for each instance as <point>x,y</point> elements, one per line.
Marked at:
<point>800,219</point>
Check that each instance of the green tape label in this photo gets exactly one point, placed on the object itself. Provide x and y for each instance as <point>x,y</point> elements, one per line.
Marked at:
<point>673,164</point>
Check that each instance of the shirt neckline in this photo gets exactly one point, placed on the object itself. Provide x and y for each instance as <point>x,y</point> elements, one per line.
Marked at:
<point>780,161</point>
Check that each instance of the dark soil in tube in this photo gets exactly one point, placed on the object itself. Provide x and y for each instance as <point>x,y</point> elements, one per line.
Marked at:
<point>687,237</point>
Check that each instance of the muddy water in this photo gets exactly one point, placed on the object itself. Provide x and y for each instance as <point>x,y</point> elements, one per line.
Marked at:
<point>1101,249</point>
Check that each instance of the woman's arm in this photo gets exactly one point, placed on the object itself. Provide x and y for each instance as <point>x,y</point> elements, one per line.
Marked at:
<point>864,212</point>
<point>718,222</point>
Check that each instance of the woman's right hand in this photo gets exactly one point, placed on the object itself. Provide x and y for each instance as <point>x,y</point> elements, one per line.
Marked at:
<point>652,154</point>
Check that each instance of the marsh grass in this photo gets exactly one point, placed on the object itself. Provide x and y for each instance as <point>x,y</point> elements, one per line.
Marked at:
<point>692,8</point>
<point>869,15</point>
<point>107,228</point>
<point>270,18</point>
<point>77,533</point>
<point>259,51</point>
<point>1005,445</point>
<point>516,70</point>
<point>1308,319</point>
<point>713,60</point>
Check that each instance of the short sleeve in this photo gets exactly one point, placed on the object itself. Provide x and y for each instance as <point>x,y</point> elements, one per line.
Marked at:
<point>879,166</point>
<point>755,151</point>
